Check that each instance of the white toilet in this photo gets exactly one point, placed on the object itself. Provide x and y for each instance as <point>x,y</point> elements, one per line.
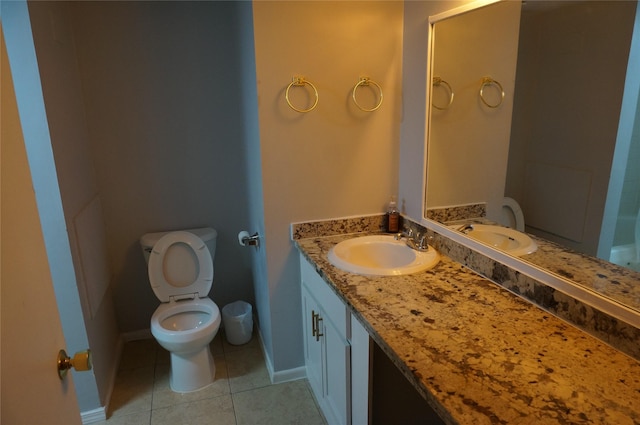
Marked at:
<point>512,215</point>
<point>180,266</point>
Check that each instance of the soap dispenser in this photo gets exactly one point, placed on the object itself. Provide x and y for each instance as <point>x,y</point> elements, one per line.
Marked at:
<point>393,216</point>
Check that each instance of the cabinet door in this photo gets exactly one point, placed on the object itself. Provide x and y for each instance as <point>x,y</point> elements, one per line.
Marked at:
<point>337,353</point>
<point>360,370</point>
<point>312,347</point>
<point>327,350</point>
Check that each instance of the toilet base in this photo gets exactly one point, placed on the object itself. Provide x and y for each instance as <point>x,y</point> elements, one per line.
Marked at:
<point>192,371</point>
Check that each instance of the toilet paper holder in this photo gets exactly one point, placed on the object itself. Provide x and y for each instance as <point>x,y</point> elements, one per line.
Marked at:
<point>249,240</point>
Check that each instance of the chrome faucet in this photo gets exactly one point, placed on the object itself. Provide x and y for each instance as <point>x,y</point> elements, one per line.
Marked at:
<point>407,232</point>
<point>418,241</point>
<point>465,228</point>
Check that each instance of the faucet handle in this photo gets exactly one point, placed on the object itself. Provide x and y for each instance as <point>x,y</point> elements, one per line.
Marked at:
<point>423,242</point>
<point>407,232</point>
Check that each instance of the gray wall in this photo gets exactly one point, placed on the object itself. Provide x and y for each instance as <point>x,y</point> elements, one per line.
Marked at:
<point>163,98</point>
<point>144,102</point>
<point>559,172</point>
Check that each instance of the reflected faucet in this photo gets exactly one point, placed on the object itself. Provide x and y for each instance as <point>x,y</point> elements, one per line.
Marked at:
<point>465,228</point>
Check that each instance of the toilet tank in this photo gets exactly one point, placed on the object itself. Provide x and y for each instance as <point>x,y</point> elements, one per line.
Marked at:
<point>207,234</point>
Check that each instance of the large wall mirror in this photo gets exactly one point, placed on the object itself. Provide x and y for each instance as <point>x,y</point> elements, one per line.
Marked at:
<point>534,106</point>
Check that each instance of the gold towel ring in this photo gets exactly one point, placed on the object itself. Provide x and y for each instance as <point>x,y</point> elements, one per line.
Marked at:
<point>365,81</point>
<point>487,81</point>
<point>298,82</point>
<point>438,81</point>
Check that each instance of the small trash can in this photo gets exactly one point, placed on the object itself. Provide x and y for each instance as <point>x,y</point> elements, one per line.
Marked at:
<point>238,322</point>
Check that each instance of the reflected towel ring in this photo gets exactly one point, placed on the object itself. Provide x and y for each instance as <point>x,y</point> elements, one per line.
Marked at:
<point>299,82</point>
<point>438,81</point>
<point>487,81</point>
<point>365,81</point>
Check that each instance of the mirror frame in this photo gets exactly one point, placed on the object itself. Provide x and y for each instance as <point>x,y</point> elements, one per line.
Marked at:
<point>546,277</point>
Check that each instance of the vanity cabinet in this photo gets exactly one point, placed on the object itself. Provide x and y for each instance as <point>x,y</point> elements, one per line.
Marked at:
<point>331,339</point>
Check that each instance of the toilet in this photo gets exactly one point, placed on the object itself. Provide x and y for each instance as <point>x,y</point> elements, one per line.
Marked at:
<point>180,267</point>
<point>512,214</point>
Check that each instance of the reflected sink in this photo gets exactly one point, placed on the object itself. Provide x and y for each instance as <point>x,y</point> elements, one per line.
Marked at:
<point>503,238</point>
<point>381,255</point>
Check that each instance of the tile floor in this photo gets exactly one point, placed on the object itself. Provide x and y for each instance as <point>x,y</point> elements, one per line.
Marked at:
<point>242,393</point>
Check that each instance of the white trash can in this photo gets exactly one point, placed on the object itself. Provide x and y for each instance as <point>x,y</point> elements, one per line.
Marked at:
<point>238,322</point>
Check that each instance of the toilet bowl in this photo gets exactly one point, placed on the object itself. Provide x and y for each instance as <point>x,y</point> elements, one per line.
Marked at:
<point>185,329</point>
<point>512,214</point>
<point>180,270</point>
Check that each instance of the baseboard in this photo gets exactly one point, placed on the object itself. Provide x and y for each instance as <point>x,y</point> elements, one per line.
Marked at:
<point>136,335</point>
<point>100,414</point>
<point>93,416</point>
<point>288,375</point>
<point>114,373</point>
<point>282,375</point>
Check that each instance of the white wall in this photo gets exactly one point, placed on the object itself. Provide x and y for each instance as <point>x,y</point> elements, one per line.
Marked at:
<point>163,97</point>
<point>335,160</point>
<point>412,169</point>
<point>469,141</point>
<point>78,190</point>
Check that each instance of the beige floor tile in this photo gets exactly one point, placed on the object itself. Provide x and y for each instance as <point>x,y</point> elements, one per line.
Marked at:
<point>140,418</point>
<point>163,396</point>
<point>216,344</point>
<point>162,356</point>
<point>142,395</point>
<point>141,353</point>
<point>213,411</point>
<point>247,369</point>
<point>282,404</point>
<point>132,391</point>
<point>229,348</point>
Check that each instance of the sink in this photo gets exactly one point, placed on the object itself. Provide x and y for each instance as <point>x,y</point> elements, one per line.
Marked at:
<point>503,238</point>
<point>381,255</point>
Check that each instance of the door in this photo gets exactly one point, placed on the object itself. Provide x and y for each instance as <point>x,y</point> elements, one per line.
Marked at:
<point>31,391</point>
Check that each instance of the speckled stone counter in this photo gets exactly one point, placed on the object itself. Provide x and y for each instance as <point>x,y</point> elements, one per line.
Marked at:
<point>610,280</point>
<point>481,355</point>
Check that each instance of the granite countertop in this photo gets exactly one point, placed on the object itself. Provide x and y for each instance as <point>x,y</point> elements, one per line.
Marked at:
<point>607,279</point>
<point>481,355</point>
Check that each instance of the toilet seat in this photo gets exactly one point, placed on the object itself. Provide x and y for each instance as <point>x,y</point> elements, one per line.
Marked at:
<point>170,278</point>
<point>515,209</point>
<point>167,310</point>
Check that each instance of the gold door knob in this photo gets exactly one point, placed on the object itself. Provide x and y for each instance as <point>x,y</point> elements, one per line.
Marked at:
<point>81,361</point>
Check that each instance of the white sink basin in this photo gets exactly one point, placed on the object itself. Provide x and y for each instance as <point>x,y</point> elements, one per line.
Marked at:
<point>503,238</point>
<point>381,255</point>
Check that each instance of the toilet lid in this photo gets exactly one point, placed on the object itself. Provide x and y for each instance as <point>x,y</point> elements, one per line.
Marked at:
<point>180,266</point>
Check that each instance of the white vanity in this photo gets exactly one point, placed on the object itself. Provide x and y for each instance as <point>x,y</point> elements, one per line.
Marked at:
<point>474,352</point>
<point>336,351</point>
